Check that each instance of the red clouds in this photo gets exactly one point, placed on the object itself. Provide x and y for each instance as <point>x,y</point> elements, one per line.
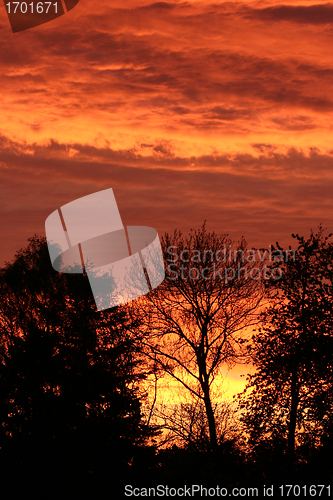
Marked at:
<point>188,110</point>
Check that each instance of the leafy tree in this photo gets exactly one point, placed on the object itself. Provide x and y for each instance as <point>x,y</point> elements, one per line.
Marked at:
<point>68,374</point>
<point>196,318</point>
<point>288,401</point>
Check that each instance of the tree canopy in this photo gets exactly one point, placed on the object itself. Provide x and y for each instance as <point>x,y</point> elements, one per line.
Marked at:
<point>288,400</point>
<point>68,375</point>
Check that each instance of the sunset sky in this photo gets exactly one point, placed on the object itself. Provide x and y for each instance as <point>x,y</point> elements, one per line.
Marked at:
<point>188,110</point>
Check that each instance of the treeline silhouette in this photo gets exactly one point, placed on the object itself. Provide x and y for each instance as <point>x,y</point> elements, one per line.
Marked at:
<point>72,417</point>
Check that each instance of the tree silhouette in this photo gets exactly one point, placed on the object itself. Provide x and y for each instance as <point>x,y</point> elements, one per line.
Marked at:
<point>68,374</point>
<point>195,320</point>
<point>185,423</point>
<point>288,401</point>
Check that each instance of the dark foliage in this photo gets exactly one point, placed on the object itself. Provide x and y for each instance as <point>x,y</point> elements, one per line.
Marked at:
<point>70,409</point>
<point>68,377</point>
<point>289,404</point>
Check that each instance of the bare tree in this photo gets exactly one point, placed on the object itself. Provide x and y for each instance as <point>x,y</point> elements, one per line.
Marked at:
<point>184,422</point>
<point>199,317</point>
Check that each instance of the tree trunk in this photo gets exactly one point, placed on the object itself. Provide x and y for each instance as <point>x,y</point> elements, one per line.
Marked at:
<point>293,416</point>
<point>208,405</point>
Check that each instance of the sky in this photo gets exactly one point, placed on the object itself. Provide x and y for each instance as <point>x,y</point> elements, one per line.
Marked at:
<point>188,110</point>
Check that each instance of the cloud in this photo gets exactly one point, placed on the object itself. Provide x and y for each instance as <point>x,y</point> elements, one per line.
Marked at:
<point>264,196</point>
<point>304,14</point>
<point>189,110</point>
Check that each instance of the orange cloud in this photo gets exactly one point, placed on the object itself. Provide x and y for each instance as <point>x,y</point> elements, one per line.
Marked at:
<point>189,110</point>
